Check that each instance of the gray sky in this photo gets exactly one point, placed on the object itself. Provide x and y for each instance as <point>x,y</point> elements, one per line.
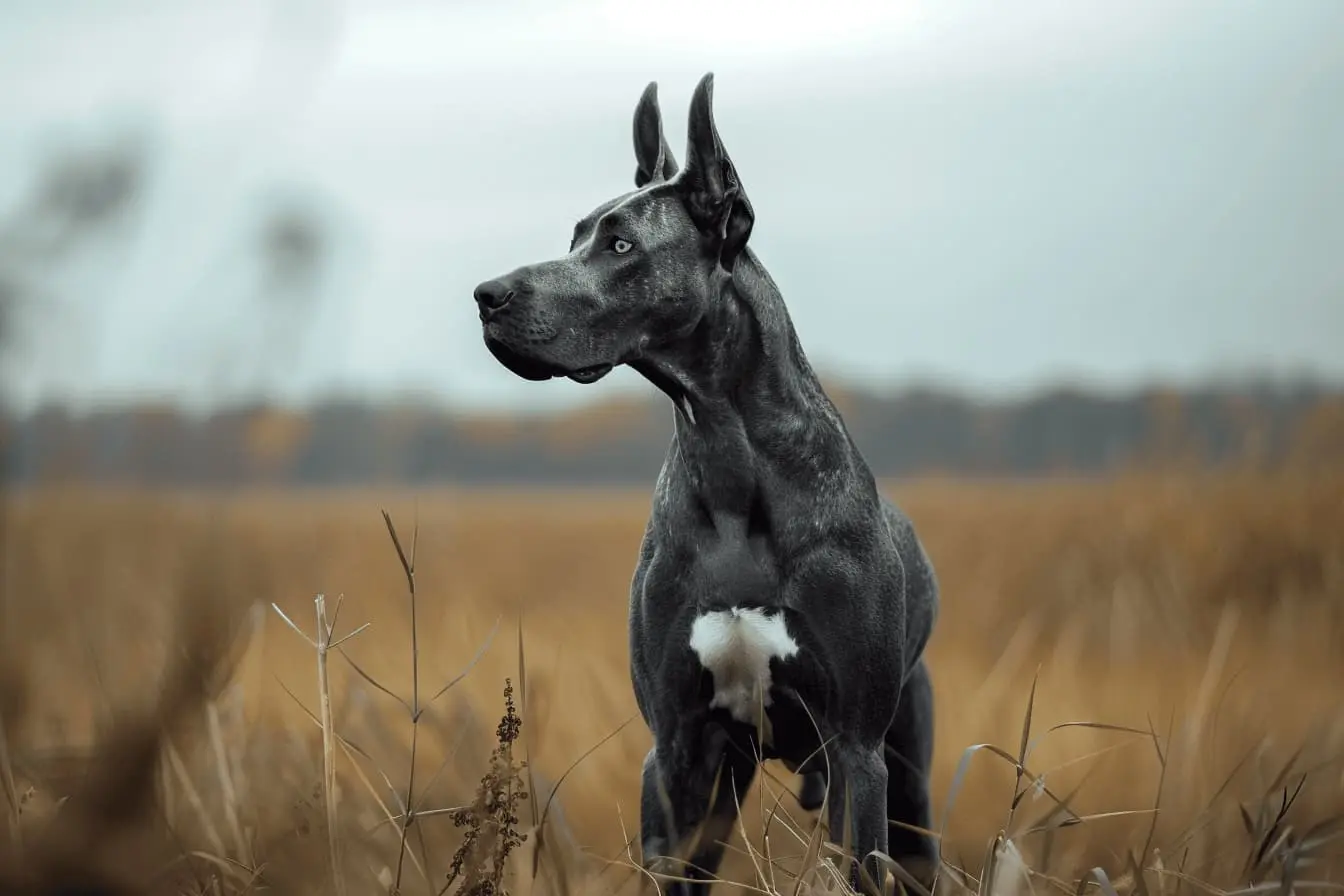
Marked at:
<point>988,195</point>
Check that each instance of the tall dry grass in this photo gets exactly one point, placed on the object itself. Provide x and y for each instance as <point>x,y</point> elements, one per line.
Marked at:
<point>1171,644</point>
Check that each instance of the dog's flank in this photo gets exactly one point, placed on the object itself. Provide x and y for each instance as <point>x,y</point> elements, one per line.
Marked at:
<point>779,602</point>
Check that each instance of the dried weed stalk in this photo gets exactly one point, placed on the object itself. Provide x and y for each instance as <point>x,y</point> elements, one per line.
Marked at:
<point>491,822</point>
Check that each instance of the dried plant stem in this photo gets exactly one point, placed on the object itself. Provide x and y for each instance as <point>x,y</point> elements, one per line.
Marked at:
<point>193,795</point>
<point>324,630</point>
<point>408,569</point>
<point>226,785</point>
<point>323,646</point>
<point>11,790</point>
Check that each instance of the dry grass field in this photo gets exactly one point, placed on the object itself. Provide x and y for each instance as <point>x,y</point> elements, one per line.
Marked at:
<point>1195,623</point>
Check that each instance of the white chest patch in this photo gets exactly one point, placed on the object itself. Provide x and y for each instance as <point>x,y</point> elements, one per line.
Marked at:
<point>736,646</point>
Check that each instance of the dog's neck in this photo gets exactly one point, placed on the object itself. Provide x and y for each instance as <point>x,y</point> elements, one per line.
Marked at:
<point>751,412</point>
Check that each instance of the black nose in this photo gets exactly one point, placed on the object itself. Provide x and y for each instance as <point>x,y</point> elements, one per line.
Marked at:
<point>492,295</point>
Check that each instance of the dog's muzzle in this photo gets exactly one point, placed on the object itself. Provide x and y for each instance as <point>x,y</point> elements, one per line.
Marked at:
<point>494,299</point>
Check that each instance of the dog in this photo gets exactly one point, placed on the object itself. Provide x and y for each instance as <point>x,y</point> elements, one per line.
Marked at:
<point>780,605</point>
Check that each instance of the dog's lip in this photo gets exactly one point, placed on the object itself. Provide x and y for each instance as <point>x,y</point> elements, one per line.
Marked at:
<point>530,368</point>
<point>591,374</point>
<point>519,364</point>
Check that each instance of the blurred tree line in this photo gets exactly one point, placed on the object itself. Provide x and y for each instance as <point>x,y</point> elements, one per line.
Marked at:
<point>350,442</point>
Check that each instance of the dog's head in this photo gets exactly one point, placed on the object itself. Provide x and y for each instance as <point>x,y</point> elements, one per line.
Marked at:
<point>642,269</point>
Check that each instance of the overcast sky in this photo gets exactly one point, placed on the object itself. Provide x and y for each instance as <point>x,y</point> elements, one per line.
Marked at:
<point>988,195</point>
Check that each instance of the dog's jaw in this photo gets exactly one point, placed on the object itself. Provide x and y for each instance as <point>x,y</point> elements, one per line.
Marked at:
<point>519,364</point>
<point>534,369</point>
<point>528,360</point>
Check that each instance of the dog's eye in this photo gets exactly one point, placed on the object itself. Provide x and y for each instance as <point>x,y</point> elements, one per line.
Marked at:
<point>620,246</point>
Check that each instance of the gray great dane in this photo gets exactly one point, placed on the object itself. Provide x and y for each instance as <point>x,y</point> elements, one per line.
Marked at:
<point>780,605</point>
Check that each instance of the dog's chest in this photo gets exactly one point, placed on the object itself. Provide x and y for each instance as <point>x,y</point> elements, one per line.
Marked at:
<point>735,646</point>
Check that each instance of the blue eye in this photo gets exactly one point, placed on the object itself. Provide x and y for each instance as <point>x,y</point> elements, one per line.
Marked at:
<point>620,246</point>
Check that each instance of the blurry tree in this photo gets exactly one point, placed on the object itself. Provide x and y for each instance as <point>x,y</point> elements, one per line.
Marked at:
<point>293,240</point>
<point>293,244</point>
<point>80,193</point>
<point>287,250</point>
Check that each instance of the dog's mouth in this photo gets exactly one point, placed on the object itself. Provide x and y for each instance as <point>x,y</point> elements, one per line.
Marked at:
<point>530,368</point>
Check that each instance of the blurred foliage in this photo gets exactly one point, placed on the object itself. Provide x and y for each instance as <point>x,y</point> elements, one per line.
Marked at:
<point>624,441</point>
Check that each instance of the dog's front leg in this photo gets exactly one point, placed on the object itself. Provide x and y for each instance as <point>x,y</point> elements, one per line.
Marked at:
<point>692,787</point>
<point>858,795</point>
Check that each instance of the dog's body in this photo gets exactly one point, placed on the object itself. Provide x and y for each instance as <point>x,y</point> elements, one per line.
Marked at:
<point>780,606</point>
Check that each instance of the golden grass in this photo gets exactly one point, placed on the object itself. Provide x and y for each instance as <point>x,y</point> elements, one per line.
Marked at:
<point>1206,613</point>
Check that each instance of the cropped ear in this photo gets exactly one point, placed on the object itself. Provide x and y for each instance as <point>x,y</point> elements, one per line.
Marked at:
<point>709,184</point>
<point>653,157</point>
